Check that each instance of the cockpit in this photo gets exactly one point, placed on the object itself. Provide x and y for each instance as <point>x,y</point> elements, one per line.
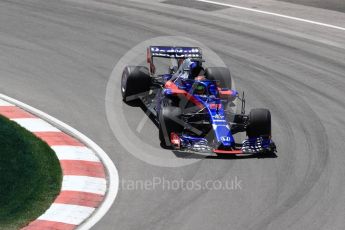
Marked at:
<point>201,88</point>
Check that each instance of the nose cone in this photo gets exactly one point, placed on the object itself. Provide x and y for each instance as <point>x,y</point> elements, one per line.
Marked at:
<point>224,136</point>
<point>226,140</point>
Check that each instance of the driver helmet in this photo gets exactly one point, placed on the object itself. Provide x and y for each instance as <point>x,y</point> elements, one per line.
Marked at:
<point>200,89</point>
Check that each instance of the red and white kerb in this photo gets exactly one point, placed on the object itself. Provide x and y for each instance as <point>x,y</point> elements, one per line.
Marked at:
<point>84,180</point>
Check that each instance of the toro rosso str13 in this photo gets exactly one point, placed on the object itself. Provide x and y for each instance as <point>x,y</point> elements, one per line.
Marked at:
<point>192,105</point>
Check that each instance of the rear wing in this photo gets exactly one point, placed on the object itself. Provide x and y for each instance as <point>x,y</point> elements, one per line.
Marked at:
<point>175,52</point>
<point>172,52</point>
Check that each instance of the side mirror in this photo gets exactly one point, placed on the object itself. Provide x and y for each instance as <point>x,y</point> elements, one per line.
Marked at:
<point>228,94</point>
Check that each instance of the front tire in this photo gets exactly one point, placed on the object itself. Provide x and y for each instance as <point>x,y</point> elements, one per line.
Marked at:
<point>168,123</point>
<point>259,124</point>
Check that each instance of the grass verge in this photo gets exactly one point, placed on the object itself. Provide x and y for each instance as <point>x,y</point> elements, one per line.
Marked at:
<point>30,176</point>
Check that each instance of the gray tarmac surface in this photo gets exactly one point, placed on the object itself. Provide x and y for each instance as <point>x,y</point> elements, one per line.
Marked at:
<point>337,5</point>
<point>58,56</point>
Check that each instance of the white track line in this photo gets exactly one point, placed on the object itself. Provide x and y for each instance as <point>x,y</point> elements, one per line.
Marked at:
<point>5,103</point>
<point>113,176</point>
<point>274,14</point>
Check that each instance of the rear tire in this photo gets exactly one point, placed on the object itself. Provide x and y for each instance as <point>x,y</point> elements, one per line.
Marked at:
<point>135,80</point>
<point>259,123</point>
<point>221,74</point>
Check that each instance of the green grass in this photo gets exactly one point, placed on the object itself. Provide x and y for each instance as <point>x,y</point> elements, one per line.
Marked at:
<point>30,176</point>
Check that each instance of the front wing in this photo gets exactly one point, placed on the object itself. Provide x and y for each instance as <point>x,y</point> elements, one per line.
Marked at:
<point>251,146</point>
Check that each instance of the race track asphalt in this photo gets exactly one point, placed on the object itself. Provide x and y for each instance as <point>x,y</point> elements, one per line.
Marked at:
<point>58,56</point>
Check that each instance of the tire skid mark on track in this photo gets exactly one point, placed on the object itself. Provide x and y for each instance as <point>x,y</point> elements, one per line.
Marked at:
<point>274,75</point>
<point>316,164</point>
<point>215,25</point>
<point>274,14</point>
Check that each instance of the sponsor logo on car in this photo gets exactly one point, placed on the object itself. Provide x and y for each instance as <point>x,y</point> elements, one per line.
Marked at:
<point>218,116</point>
<point>225,138</point>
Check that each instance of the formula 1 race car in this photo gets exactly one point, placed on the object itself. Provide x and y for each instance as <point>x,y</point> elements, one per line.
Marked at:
<point>192,105</point>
